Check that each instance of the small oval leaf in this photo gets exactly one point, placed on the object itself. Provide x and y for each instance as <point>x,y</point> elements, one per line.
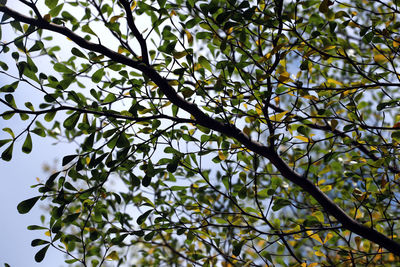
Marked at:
<point>26,205</point>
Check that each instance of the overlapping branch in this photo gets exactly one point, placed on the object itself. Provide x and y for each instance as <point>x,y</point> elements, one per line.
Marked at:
<point>227,129</point>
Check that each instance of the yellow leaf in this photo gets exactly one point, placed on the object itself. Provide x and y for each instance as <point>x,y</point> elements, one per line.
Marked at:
<point>173,82</point>
<point>396,42</point>
<point>278,117</point>
<point>328,237</point>
<point>113,256</point>
<point>302,138</point>
<point>115,18</point>
<point>87,159</point>
<point>47,17</point>
<point>380,58</point>
<point>319,254</point>
<point>334,81</point>
<point>326,188</point>
<point>353,24</point>
<point>285,76</point>
<point>122,50</point>
<point>258,109</point>
<point>358,241</point>
<point>178,55</point>
<point>329,47</point>
<point>221,155</point>
<point>311,97</point>
<point>173,13</point>
<point>314,236</point>
<point>247,131</point>
<point>47,233</point>
<point>189,36</point>
<point>264,58</point>
<point>133,5</point>
<point>319,215</point>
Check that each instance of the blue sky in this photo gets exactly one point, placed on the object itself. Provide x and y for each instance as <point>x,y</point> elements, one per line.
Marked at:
<point>16,178</point>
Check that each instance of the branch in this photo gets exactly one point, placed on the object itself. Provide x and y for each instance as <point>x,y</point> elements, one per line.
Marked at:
<point>226,129</point>
<point>135,31</point>
<point>106,114</point>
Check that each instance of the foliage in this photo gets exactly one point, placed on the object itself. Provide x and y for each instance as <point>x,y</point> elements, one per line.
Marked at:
<point>240,133</point>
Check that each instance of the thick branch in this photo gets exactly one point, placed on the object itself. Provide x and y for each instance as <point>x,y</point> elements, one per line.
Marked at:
<point>227,129</point>
<point>135,31</point>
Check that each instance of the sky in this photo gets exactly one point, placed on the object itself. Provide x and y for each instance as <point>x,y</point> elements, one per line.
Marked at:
<point>17,177</point>
<point>23,170</point>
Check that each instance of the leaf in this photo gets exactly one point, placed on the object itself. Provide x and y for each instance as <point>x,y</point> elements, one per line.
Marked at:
<point>68,159</point>
<point>27,146</point>
<point>142,218</point>
<point>38,242</point>
<point>109,98</point>
<point>59,67</point>
<point>396,42</point>
<point>71,121</point>
<point>324,6</point>
<point>4,141</point>
<point>278,117</point>
<point>284,77</point>
<point>178,55</point>
<point>26,205</point>
<point>55,11</point>
<point>237,248</point>
<point>98,75</point>
<point>78,53</point>
<point>113,256</point>
<point>314,236</point>
<point>50,116</point>
<point>41,254</point>
<point>221,155</point>
<point>8,130</point>
<point>189,36</point>
<point>302,138</point>
<point>379,58</point>
<point>204,63</point>
<point>7,154</point>
<point>51,3</point>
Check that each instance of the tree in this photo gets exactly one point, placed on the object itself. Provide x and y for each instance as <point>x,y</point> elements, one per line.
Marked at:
<point>241,133</point>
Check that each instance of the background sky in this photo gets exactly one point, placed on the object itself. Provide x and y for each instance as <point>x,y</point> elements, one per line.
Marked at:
<point>18,175</point>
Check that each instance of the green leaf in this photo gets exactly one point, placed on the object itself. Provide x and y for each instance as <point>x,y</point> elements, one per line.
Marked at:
<point>8,130</point>
<point>71,121</point>
<point>78,53</point>
<point>51,3</point>
<point>109,98</point>
<point>143,217</point>
<point>237,248</point>
<point>26,205</point>
<point>59,67</point>
<point>68,159</point>
<point>27,146</point>
<point>4,141</point>
<point>204,63</point>
<point>98,75</point>
<point>38,242</point>
<point>55,11</point>
<point>49,116</point>
<point>39,132</point>
<point>7,154</point>
<point>9,88</point>
<point>41,254</point>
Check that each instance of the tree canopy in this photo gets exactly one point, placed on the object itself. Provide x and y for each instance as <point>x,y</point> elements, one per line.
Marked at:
<point>211,133</point>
